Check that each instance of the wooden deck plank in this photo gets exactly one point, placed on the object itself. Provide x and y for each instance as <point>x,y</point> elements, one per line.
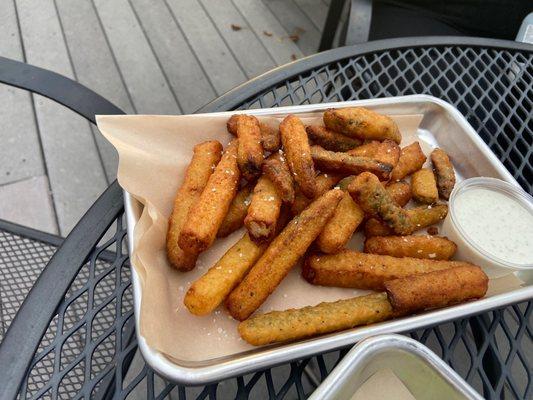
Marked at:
<point>20,151</point>
<point>29,202</point>
<point>269,31</point>
<point>317,11</point>
<point>94,67</point>
<point>296,23</point>
<point>67,140</point>
<point>244,43</point>
<point>216,58</point>
<point>146,82</point>
<point>186,75</point>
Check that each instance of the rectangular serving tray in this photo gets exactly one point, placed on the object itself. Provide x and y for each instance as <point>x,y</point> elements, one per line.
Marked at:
<point>441,125</point>
<point>424,374</point>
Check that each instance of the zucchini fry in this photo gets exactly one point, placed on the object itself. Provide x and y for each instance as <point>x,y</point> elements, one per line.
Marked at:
<point>348,164</point>
<point>281,255</point>
<point>293,324</point>
<point>362,123</point>
<point>250,152</point>
<point>352,269</point>
<point>437,289</point>
<point>205,217</point>
<point>411,160</point>
<point>444,171</point>
<point>424,186</point>
<point>423,246</point>
<point>263,211</point>
<point>331,140</point>
<point>205,156</point>
<point>298,154</point>
<point>341,226</point>
<point>276,169</point>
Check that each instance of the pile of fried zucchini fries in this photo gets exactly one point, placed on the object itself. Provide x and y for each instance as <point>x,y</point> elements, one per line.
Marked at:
<point>302,192</point>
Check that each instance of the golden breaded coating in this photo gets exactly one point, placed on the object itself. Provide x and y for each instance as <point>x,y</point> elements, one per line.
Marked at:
<point>298,154</point>
<point>369,149</point>
<point>437,289</point>
<point>362,123</point>
<point>348,164</point>
<point>400,192</point>
<point>445,173</point>
<point>237,211</point>
<point>324,182</point>
<point>422,217</point>
<point>263,211</point>
<point>424,246</point>
<point>424,186</point>
<point>411,160</point>
<point>270,137</point>
<point>250,152</point>
<point>294,324</point>
<point>373,198</point>
<point>205,156</point>
<point>341,226</point>
<point>418,218</point>
<point>277,170</point>
<point>231,125</point>
<point>352,269</point>
<point>210,290</point>
<point>205,217</point>
<point>281,255</point>
<point>331,140</point>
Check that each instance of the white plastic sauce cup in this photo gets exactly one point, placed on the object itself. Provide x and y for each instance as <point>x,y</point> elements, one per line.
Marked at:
<point>467,247</point>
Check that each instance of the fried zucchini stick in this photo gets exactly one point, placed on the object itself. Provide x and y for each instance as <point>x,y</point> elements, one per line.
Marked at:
<point>424,186</point>
<point>419,218</point>
<point>362,123</point>
<point>293,324</point>
<point>281,255</point>
<point>205,217</point>
<point>276,169</point>
<point>411,160</point>
<point>352,269</point>
<point>437,289</point>
<point>212,288</point>
<point>424,246</point>
<point>250,151</point>
<point>263,211</point>
<point>348,164</point>
<point>373,198</point>
<point>444,171</point>
<point>270,137</point>
<point>237,211</point>
<point>205,156</point>
<point>400,193</point>
<point>331,140</point>
<point>324,182</point>
<point>298,154</point>
<point>341,226</point>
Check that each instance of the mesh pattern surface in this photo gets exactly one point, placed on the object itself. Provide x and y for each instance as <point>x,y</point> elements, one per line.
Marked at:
<point>87,350</point>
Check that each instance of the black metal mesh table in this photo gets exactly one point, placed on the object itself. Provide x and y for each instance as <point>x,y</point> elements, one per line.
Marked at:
<point>88,342</point>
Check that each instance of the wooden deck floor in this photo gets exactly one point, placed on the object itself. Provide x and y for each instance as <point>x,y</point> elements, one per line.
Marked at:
<point>160,57</point>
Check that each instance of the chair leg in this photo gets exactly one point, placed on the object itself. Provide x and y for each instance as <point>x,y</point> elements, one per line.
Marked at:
<point>331,25</point>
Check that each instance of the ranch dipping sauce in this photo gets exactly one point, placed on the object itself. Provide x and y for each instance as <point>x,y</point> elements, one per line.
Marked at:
<point>491,221</point>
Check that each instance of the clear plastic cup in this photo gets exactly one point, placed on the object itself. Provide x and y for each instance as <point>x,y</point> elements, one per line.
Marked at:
<point>469,248</point>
